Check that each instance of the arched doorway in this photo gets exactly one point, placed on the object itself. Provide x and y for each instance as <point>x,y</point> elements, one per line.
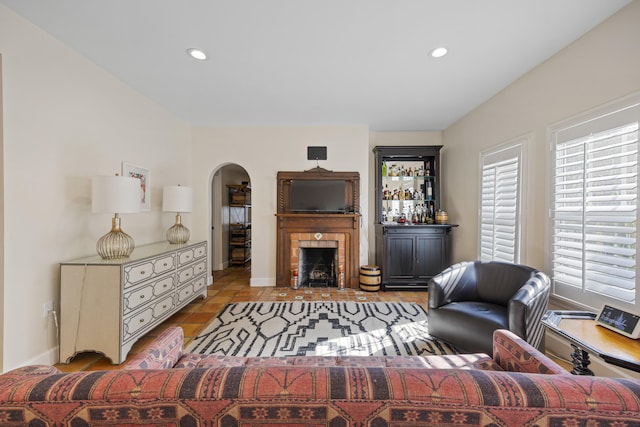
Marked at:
<point>230,219</point>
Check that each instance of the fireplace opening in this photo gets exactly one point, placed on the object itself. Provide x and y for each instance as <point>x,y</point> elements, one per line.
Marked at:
<point>318,267</point>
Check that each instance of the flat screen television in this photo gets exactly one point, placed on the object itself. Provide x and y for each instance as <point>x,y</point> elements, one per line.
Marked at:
<point>327,196</point>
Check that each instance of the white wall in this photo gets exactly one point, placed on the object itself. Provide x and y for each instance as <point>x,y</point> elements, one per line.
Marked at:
<point>65,120</point>
<point>601,66</point>
<point>263,151</point>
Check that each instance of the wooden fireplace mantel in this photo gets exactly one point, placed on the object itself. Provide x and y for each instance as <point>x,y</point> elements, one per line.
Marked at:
<point>293,227</point>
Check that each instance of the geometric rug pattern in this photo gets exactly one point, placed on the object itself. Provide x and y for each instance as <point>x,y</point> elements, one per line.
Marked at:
<point>319,328</point>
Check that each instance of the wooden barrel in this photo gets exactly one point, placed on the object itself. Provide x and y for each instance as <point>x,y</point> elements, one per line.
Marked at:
<point>370,278</point>
<point>442,217</point>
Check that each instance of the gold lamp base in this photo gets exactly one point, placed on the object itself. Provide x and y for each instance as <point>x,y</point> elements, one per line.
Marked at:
<point>178,233</point>
<point>116,243</point>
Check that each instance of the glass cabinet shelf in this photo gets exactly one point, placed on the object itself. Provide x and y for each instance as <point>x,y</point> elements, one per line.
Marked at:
<point>408,194</point>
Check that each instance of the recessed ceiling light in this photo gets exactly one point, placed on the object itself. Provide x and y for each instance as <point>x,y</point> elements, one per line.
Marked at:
<point>439,52</point>
<point>197,54</point>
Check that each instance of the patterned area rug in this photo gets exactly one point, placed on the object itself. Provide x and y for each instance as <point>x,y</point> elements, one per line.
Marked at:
<point>255,329</point>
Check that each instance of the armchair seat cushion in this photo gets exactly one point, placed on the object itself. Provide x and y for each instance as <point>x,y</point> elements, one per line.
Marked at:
<point>468,323</point>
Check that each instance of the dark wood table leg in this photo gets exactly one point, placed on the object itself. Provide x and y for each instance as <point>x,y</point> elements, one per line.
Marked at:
<point>581,361</point>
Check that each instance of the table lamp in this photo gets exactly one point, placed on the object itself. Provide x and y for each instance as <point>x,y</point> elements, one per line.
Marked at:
<point>115,194</point>
<point>176,198</point>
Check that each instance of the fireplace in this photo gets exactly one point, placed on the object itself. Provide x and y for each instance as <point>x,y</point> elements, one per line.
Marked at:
<point>334,237</point>
<point>318,267</point>
<point>319,260</point>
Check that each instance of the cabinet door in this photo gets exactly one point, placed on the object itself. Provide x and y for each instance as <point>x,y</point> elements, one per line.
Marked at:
<point>400,257</point>
<point>430,256</point>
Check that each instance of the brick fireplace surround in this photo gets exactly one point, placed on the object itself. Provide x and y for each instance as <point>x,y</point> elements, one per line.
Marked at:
<point>320,231</point>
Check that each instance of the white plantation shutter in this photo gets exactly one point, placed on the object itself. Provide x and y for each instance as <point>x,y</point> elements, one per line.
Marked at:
<point>595,208</point>
<point>500,204</point>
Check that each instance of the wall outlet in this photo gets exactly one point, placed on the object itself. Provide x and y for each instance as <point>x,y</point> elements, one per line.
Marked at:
<point>47,308</point>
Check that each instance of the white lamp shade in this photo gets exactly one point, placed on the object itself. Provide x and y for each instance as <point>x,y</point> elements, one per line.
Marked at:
<point>115,194</point>
<point>176,198</point>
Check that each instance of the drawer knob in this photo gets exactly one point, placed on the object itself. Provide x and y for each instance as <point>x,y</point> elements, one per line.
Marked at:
<point>164,306</point>
<point>142,272</point>
<point>141,320</point>
<point>141,296</point>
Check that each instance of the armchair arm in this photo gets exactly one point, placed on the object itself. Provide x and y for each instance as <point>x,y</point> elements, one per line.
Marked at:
<point>436,293</point>
<point>527,306</point>
<point>162,353</point>
<point>514,354</point>
<point>455,283</point>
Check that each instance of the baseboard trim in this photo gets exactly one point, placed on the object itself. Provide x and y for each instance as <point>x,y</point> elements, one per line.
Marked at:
<point>263,282</point>
<point>49,357</point>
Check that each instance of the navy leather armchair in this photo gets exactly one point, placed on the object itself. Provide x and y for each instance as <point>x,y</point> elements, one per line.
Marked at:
<point>470,300</point>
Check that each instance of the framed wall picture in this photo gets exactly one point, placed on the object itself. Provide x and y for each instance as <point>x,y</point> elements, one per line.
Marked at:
<point>135,171</point>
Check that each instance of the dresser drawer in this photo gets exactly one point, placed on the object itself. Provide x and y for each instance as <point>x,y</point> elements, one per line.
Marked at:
<point>199,267</point>
<point>140,322</point>
<point>163,285</point>
<point>136,299</point>
<point>147,269</point>
<point>185,275</point>
<point>185,294</point>
<point>199,284</point>
<point>188,273</point>
<point>145,293</point>
<point>200,251</point>
<point>185,256</point>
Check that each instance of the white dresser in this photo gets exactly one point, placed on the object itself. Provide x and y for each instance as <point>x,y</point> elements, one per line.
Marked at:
<point>107,305</point>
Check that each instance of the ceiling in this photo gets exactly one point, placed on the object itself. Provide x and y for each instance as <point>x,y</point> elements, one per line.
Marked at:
<point>318,62</point>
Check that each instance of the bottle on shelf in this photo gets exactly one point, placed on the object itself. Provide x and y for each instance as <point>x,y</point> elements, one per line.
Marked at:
<point>429,190</point>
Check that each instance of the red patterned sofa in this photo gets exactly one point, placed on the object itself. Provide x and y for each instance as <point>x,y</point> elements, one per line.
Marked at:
<point>519,386</point>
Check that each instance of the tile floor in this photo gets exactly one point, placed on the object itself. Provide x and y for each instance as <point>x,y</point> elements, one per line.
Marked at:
<point>232,285</point>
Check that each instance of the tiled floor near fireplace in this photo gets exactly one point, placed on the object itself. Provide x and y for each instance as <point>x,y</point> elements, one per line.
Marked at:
<point>232,285</point>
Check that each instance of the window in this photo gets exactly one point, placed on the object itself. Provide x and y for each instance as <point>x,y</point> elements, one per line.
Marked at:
<point>594,214</point>
<point>500,203</point>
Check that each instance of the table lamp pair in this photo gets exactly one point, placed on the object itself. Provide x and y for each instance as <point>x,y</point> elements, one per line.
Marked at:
<point>118,195</point>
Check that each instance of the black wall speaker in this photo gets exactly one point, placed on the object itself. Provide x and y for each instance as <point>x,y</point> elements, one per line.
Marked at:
<point>316,153</point>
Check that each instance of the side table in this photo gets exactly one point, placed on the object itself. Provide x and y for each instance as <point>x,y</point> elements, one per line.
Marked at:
<point>585,337</point>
